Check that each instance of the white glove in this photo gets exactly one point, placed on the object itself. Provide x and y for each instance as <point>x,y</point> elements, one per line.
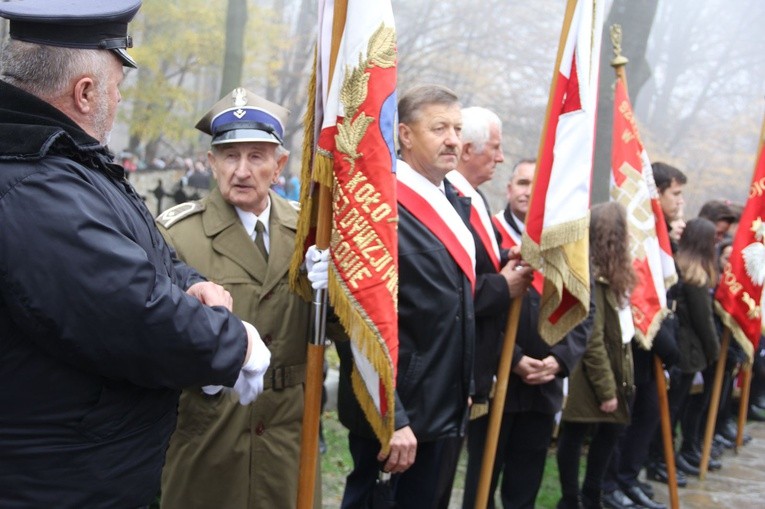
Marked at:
<point>317,265</point>
<point>212,390</point>
<point>249,385</point>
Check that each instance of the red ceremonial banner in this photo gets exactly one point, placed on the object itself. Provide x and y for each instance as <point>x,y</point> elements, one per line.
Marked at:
<point>739,293</point>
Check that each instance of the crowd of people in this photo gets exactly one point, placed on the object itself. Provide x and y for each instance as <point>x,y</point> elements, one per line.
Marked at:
<point>145,357</point>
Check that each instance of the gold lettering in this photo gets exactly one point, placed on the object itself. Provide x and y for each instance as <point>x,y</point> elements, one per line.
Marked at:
<point>758,187</point>
<point>367,196</point>
<point>380,212</point>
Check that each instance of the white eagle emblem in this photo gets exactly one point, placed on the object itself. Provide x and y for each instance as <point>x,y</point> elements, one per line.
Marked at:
<point>754,254</point>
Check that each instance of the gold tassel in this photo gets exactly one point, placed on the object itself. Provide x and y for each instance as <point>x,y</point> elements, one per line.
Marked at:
<point>363,334</point>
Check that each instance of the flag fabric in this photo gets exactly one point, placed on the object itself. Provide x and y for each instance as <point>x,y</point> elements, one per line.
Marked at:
<point>510,239</point>
<point>739,294</point>
<point>353,118</point>
<point>633,186</point>
<point>556,241</point>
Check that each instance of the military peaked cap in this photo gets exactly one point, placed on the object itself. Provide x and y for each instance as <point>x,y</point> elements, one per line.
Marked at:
<point>243,116</point>
<point>80,24</point>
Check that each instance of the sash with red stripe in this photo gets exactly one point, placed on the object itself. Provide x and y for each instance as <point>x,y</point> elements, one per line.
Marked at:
<point>421,209</point>
<point>477,224</point>
<point>509,242</point>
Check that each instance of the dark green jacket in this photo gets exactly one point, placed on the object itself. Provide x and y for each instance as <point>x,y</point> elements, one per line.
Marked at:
<point>606,369</point>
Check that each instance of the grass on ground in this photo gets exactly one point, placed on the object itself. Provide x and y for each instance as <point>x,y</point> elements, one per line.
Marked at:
<point>336,463</point>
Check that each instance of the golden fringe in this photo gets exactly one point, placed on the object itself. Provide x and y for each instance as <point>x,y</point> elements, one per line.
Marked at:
<point>646,341</point>
<point>365,336</point>
<point>738,334</point>
<point>306,216</point>
<point>324,168</point>
<point>578,286</point>
<point>478,410</point>
<point>564,248</point>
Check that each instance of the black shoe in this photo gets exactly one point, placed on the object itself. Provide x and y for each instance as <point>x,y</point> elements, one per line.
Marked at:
<point>658,472</point>
<point>647,488</point>
<point>756,413</point>
<point>716,451</point>
<point>730,431</point>
<point>642,499</point>
<point>724,442</point>
<point>684,466</point>
<point>694,459</point>
<point>589,502</point>
<point>617,500</point>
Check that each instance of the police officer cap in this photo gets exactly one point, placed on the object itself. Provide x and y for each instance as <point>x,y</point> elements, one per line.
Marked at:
<point>81,24</point>
<point>243,116</point>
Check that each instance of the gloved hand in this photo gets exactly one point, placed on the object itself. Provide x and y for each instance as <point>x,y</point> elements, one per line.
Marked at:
<point>249,385</point>
<point>317,264</point>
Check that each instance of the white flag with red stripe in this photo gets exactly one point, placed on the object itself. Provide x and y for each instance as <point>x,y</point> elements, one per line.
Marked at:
<point>557,224</point>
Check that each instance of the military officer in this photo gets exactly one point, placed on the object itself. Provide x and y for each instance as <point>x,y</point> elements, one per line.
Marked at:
<point>242,236</point>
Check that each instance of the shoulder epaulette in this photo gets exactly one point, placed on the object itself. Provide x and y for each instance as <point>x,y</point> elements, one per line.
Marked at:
<point>174,214</point>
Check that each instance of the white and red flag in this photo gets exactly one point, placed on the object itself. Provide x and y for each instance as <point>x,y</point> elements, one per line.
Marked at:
<point>633,186</point>
<point>556,241</point>
<point>353,114</point>
<point>739,295</point>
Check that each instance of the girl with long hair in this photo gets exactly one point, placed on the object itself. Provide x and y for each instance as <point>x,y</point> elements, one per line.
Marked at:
<point>697,336</point>
<point>602,383</point>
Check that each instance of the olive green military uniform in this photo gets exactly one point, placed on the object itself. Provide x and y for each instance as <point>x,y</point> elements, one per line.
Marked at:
<point>223,454</point>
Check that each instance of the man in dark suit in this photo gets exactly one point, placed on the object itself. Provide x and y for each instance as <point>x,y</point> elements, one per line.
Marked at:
<point>535,388</point>
<point>436,318</point>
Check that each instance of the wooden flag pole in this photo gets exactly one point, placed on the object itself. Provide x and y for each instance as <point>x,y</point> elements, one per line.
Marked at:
<point>714,404</point>
<point>743,407</point>
<point>511,328</point>
<point>314,375</point>
<point>314,380</point>
<point>498,404</point>
<point>666,433</point>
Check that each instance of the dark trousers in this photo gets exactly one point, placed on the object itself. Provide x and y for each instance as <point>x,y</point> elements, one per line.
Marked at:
<point>426,484</point>
<point>631,452</point>
<point>694,413</point>
<point>570,441</point>
<point>679,390</point>
<point>521,453</point>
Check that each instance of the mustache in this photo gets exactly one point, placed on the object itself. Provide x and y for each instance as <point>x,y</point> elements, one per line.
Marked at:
<point>448,152</point>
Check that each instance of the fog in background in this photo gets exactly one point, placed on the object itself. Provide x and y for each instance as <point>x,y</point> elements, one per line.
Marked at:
<point>696,75</point>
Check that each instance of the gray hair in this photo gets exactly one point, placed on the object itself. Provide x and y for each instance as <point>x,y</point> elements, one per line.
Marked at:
<point>47,71</point>
<point>527,160</point>
<point>416,98</point>
<point>476,122</point>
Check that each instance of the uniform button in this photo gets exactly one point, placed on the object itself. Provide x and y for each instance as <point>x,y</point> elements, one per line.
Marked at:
<point>267,340</point>
<point>260,429</point>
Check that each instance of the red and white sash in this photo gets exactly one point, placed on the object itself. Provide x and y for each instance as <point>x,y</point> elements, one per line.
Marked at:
<point>431,207</point>
<point>479,215</point>
<point>511,238</point>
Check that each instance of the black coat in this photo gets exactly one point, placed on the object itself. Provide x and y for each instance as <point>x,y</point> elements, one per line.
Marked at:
<point>97,334</point>
<point>697,335</point>
<point>436,337</point>
<point>545,398</point>
<point>492,302</point>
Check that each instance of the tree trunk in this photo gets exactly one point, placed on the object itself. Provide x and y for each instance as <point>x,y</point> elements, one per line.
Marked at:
<point>636,18</point>
<point>233,62</point>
